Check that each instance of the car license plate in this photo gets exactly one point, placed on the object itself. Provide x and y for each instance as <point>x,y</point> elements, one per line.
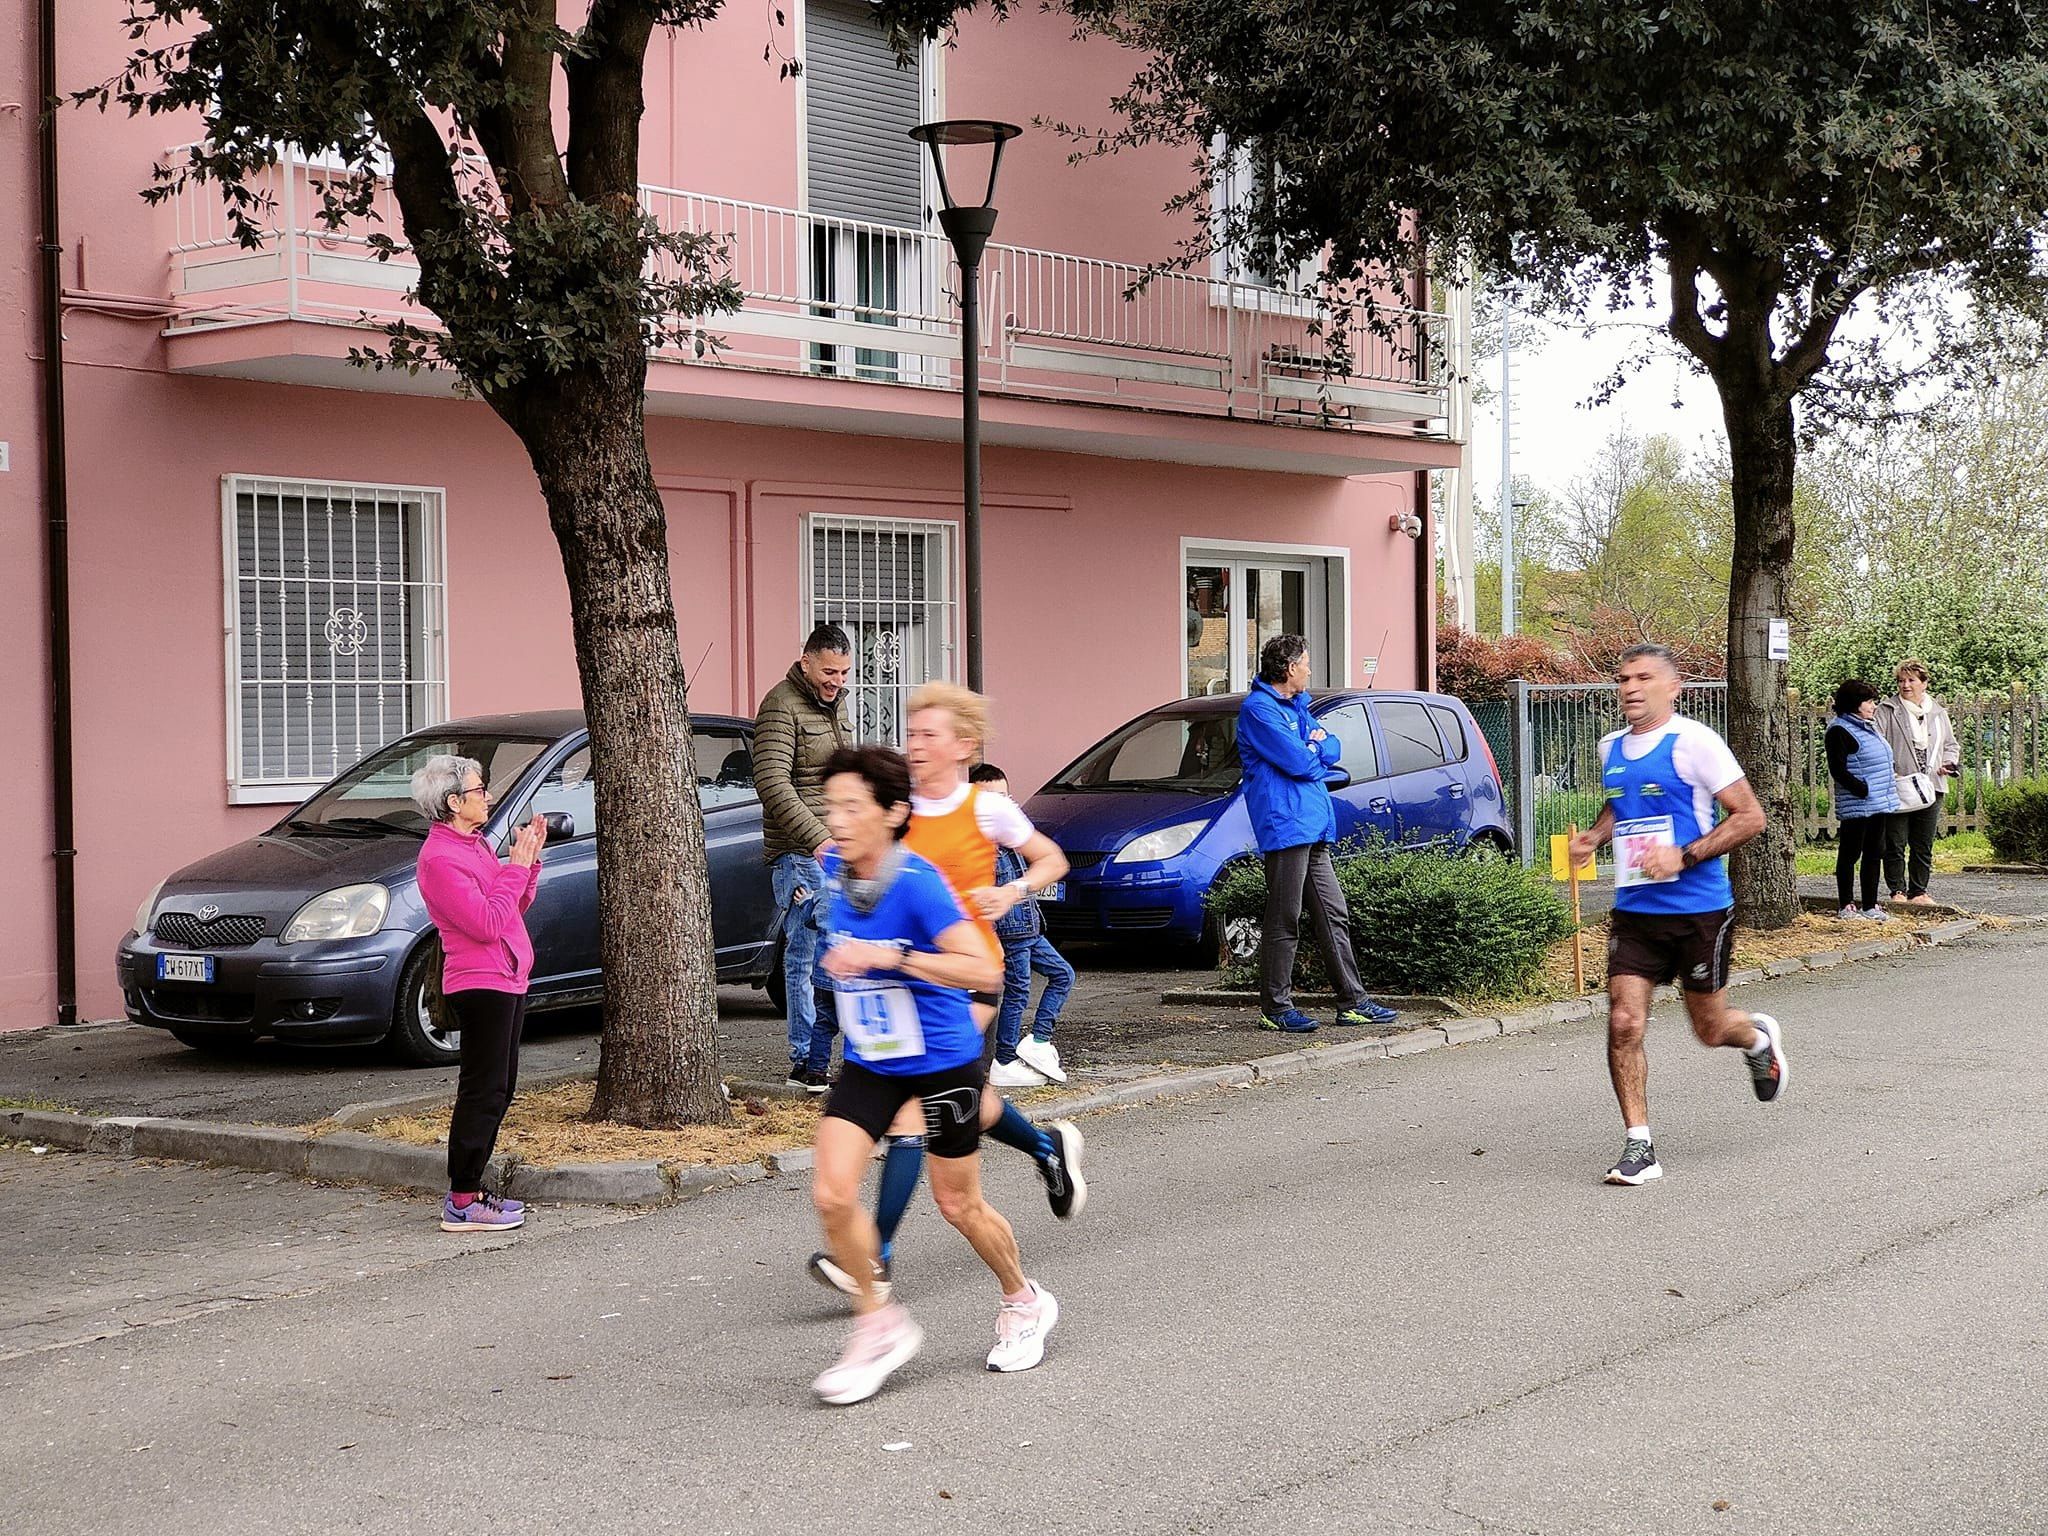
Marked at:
<point>184,968</point>
<point>1054,892</point>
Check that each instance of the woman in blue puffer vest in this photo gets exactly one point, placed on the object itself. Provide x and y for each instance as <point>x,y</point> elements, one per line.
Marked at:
<point>1866,795</point>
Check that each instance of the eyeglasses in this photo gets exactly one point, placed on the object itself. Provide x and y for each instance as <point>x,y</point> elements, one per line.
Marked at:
<point>474,789</point>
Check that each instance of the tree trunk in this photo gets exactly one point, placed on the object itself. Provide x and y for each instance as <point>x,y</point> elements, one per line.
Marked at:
<point>658,1059</point>
<point>1763,457</point>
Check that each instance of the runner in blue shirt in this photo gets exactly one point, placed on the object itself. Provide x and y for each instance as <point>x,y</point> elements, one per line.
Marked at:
<point>1674,910</point>
<point>903,958</point>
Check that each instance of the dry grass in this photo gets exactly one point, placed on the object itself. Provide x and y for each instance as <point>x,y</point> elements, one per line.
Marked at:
<point>1811,934</point>
<point>548,1125</point>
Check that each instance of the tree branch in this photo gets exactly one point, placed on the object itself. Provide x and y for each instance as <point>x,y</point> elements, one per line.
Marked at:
<point>518,130</point>
<point>605,71</point>
<point>1809,350</point>
<point>1682,256</point>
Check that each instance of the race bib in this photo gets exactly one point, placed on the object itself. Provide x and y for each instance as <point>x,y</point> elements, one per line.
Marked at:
<point>1633,841</point>
<point>879,1019</point>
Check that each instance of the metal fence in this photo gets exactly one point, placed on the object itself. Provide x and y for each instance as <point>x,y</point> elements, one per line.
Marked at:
<point>1546,736</point>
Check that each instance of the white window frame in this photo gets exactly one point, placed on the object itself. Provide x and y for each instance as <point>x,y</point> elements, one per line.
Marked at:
<point>433,551</point>
<point>1229,286</point>
<point>948,604</point>
<point>1331,615</point>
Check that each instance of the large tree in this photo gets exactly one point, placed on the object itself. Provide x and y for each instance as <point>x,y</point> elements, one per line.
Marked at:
<point>551,285</point>
<point>1771,165</point>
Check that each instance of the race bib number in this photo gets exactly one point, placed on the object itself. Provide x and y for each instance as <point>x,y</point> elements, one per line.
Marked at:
<point>879,1020</point>
<point>1633,841</point>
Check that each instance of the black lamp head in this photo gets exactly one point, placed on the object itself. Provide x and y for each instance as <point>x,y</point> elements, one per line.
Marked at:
<point>959,131</point>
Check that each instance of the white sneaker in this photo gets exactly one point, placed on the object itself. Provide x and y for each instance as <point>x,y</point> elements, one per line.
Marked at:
<point>881,1342</point>
<point>1021,1331</point>
<point>1041,1056</point>
<point>1014,1074</point>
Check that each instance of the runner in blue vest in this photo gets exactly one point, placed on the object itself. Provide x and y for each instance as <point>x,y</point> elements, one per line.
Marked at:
<point>1674,911</point>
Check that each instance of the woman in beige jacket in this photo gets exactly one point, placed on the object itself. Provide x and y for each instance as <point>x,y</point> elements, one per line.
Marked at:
<point>1922,742</point>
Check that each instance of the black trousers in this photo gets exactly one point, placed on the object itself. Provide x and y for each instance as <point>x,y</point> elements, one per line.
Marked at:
<point>491,1023</point>
<point>1294,877</point>
<point>1863,839</point>
<point>1911,833</point>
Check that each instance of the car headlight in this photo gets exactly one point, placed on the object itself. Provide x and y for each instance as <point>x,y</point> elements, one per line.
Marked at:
<point>147,910</point>
<point>1163,844</point>
<point>346,913</point>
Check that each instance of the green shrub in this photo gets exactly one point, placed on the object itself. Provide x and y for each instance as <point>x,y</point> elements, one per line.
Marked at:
<point>2016,820</point>
<point>1428,921</point>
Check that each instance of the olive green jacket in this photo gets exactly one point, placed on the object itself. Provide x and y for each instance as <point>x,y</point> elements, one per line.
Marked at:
<point>795,733</point>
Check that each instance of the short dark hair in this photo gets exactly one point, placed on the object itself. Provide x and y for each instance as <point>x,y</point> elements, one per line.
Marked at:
<point>1278,654</point>
<point>1852,696</point>
<point>1648,648</point>
<point>986,773</point>
<point>828,637</point>
<point>883,769</point>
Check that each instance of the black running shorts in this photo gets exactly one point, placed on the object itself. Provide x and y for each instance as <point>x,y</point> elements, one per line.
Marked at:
<point>952,1104</point>
<point>1690,948</point>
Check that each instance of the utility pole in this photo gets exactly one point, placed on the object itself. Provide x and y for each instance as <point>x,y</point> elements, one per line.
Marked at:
<point>1507,478</point>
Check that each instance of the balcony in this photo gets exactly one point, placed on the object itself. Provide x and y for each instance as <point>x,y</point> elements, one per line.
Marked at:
<point>856,327</point>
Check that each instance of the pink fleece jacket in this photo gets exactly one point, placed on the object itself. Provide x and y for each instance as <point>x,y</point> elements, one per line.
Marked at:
<point>479,905</point>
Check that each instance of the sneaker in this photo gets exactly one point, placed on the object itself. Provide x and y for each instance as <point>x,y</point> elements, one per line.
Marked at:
<point>1877,914</point>
<point>825,1269</point>
<point>1850,914</point>
<point>1289,1021</point>
<point>1367,1012</point>
<point>1638,1164</point>
<point>1769,1071</point>
<point>812,1080</point>
<point>1065,1190</point>
<point>1041,1056</point>
<point>882,1341</point>
<point>510,1207</point>
<point>1922,900</point>
<point>1021,1329</point>
<point>1014,1074</point>
<point>486,1213</point>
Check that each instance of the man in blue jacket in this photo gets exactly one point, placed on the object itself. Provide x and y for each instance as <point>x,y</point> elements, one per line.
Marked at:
<point>1288,761</point>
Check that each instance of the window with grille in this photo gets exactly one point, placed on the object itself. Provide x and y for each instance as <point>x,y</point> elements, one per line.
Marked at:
<point>336,640</point>
<point>888,582</point>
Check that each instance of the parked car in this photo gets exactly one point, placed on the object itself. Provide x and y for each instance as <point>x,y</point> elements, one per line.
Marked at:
<point>1150,814</point>
<point>315,931</point>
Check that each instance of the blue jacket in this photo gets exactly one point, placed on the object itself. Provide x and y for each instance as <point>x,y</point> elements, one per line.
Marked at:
<point>1023,922</point>
<point>1872,763</point>
<point>1286,775</point>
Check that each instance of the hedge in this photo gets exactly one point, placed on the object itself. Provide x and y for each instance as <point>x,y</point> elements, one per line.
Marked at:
<point>1427,921</point>
<point>2016,821</point>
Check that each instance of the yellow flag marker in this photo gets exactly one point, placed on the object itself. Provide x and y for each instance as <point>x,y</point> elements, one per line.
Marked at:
<point>1560,858</point>
<point>1561,869</point>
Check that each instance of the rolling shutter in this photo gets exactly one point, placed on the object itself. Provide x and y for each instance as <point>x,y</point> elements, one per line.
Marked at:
<point>860,108</point>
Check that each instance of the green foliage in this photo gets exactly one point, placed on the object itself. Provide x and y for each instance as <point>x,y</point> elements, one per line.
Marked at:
<point>2016,821</point>
<point>1975,638</point>
<point>1428,921</point>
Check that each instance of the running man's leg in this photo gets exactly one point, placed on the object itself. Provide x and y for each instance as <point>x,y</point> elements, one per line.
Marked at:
<point>1628,1062</point>
<point>842,1153</point>
<point>956,1187</point>
<point>1286,874</point>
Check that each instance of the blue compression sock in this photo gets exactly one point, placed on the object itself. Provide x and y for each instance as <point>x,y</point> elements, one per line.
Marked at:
<point>1013,1130</point>
<point>900,1168</point>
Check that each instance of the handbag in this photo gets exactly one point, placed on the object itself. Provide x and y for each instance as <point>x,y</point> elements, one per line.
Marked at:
<point>1916,791</point>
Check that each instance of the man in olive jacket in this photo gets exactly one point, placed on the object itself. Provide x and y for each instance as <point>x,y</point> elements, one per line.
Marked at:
<point>798,727</point>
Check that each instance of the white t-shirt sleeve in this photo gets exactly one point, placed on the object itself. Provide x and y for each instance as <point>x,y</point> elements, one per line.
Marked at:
<point>1002,820</point>
<point>1703,759</point>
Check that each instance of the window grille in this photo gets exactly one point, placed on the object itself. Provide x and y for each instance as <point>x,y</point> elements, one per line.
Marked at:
<point>888,582</point>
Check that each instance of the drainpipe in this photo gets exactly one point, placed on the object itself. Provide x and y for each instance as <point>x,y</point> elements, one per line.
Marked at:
<point>57,547</point>
<point>1425,544</point>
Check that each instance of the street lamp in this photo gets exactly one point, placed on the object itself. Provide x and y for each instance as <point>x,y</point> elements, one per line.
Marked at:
<point>969,228</point>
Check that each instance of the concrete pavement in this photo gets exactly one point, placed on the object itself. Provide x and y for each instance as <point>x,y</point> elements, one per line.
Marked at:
<point>1391,1299</point>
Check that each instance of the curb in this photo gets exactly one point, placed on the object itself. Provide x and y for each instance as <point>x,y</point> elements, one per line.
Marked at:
<point>1244,997</point>
<point>348,1155</point>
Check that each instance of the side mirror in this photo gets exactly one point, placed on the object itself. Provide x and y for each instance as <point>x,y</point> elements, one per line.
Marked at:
<point>561,826</point>
<point>1338,779</point>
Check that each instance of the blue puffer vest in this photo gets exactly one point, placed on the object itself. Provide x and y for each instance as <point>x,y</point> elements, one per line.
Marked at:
<point>1872,763</point>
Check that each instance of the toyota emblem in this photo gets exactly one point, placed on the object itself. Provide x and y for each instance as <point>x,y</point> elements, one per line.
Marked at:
<point>208,913</point>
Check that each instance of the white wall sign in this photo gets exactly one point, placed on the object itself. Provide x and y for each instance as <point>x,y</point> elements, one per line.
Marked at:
<point>1368,665</point>
<point>1781,639</point>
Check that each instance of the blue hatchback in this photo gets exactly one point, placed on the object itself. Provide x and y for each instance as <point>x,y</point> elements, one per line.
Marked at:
<point>1149,814</point>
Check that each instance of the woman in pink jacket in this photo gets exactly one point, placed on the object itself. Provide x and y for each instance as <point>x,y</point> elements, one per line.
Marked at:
<point>479,906</point>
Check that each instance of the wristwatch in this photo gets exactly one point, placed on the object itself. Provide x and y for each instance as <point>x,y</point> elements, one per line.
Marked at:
<point>1022,887</point>
<point>1688,858</point>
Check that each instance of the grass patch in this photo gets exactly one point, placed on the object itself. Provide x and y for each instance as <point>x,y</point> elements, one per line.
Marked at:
<point>1950,854</point>
<point>8,1101</point>
<point>551,1125</point>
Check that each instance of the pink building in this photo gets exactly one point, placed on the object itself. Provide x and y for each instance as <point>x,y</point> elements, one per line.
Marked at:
<point>277,560</point>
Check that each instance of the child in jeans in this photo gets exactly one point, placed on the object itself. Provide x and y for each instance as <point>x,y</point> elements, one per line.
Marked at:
<point>1024,1062</point>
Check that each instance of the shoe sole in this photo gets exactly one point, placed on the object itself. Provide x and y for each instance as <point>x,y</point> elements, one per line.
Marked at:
<point>1037,1079</point>
<point>904,1352</point>
<point>481,1226</point>
<point>1616,1176</point>
<point>1071,1161</point>
<point>1050,1074</point>
<point>1043,1334</point>
<point>823,1273</point>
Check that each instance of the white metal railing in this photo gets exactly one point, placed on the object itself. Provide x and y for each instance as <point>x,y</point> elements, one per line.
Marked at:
<point>841,298</point>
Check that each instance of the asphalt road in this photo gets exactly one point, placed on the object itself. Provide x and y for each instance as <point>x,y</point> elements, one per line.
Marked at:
<point>1388,1298</point>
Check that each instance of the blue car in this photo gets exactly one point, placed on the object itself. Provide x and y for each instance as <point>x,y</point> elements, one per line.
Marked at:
<point>1150,814</point>
<point>314,931</point>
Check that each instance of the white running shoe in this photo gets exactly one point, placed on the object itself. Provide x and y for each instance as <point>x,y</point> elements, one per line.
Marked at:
<point>1021,1329</point>
<point>1041,1056</point>
<point>882,1341</point>
<point>1014,1074</point>
<point>1769,1071</point>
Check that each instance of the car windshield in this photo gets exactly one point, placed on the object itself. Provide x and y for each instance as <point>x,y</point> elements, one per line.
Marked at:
<point>1196,752</point>
<point>374,798</point>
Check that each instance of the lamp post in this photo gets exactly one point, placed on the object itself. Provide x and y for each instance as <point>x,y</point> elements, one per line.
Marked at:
<point>969,227</point>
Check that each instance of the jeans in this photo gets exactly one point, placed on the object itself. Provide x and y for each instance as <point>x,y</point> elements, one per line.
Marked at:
<point>1019,961</point>
<point>1295,875</point>
<point>491,1023</point>
<point>1862,841</point>
<point>1911,832</point>
<point>812,1020</point>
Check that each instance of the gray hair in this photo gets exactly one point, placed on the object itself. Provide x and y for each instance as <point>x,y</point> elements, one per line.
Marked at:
<point>1658,652</point>
<point>439,777</point>
<point>1278,654</point>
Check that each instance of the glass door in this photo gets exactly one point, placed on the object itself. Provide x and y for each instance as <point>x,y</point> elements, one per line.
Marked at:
<point>1235,606</point>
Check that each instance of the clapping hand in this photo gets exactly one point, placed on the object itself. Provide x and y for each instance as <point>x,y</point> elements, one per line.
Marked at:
<point>528,841</point>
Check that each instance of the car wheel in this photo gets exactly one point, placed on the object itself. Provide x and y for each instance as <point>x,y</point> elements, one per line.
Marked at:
<point>1487,846</point>
<point>423,1032</point>
<point>211,1044</point>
